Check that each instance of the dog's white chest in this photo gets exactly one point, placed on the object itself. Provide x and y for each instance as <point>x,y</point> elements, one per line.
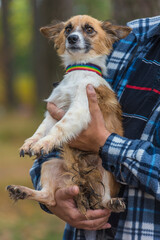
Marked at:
<point>73,86</point>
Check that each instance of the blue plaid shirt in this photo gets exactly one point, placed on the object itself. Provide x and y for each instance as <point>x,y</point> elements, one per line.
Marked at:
<point>135,162</point>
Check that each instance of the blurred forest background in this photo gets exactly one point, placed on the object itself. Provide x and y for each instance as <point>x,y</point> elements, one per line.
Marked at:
<point>28,68</point>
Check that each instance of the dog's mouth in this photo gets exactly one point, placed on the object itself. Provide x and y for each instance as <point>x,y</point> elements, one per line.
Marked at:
<point>77,48</point>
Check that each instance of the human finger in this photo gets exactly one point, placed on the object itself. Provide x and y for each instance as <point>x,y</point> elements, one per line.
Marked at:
<point>105,226</point>
<point>93,214</point>
<point>98,213</point>
<point>67,193</point>
<point>93,224</point>
<point>54,111</point>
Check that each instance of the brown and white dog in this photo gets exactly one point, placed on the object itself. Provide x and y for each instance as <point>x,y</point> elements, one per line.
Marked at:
<point>83,43</point>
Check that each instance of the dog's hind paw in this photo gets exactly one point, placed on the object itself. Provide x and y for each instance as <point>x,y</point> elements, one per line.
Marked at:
<point>116,205</point>
<point>16,193</point>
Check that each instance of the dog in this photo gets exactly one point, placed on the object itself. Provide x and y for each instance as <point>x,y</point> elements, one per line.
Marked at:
<point>83,43</point>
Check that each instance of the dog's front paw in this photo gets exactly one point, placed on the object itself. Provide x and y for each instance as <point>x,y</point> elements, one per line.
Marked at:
<point>25,149</point>
<point>43,146</point>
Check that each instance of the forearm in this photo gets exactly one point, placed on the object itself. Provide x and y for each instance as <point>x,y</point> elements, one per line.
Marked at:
<point>133,162</point>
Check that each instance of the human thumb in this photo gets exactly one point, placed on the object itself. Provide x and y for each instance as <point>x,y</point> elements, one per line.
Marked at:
<point>91,93</point>
<point>92,99</point>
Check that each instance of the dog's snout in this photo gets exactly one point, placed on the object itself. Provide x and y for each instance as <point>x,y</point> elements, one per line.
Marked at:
<point>73,39</point>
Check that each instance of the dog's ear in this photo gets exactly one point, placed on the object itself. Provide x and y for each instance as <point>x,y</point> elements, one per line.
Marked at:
<point>53,30</point>
<point>115,31</point>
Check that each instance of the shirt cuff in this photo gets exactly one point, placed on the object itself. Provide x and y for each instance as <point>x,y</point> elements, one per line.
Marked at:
<point>113,153</point>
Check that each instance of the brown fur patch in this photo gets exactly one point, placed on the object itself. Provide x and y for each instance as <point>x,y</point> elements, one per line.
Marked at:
<point>110,108</point>
<point>115,32</point>
<point>55,33</point>
<point>84,171</point>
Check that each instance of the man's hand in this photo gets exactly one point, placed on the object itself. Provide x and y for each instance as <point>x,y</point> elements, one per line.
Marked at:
<point>96,133</point>
<point>67,211</point>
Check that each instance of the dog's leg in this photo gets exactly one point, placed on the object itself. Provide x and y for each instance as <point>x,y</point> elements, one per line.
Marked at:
<point>110,185</point>
<point>50,183</point>
<point>74,121</point>
<point>42,130</point>
<point>17,192</point>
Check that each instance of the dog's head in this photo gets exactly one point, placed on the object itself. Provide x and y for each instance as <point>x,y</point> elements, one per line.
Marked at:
<point>84,36</point>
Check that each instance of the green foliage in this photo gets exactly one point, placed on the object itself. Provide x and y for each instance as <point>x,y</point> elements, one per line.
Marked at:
<point>100,9</point>
<point>21,24</point>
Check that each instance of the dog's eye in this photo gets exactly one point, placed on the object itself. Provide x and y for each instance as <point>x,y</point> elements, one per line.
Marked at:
<point>89,29</point>
<point>68,29</point>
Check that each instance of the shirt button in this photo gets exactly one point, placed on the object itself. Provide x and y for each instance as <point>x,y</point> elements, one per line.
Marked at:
<point>112,168</point>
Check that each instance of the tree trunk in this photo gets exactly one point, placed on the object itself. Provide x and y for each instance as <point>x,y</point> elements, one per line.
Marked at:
<point>127,10</point>
<point>6,63</point>
<point>46,63</point>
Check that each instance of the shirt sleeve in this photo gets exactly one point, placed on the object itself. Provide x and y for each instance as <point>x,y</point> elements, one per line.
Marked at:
<point>133,162</point>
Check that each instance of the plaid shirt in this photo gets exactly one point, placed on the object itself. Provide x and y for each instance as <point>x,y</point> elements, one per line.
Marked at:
<point>133,161</point>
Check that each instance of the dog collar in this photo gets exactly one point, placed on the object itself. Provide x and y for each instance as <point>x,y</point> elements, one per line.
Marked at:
<point>85,67</point>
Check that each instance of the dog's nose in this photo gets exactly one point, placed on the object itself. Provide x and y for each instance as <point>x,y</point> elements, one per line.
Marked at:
<point>72,39</point>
